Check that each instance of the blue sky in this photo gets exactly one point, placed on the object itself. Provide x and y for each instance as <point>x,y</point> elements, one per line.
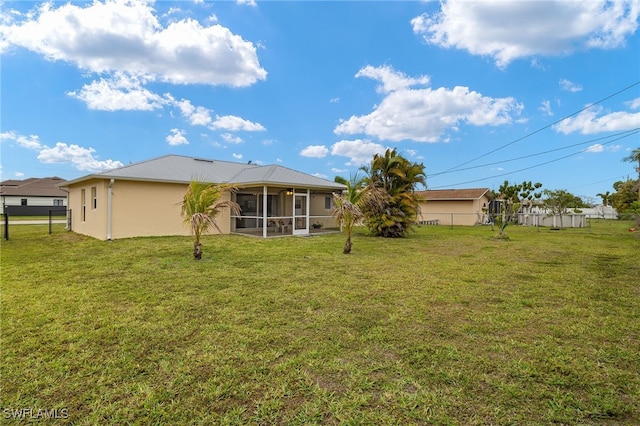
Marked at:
<point>479,92</point>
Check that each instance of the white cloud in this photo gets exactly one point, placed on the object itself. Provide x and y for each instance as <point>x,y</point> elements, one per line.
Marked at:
<point>177,137</point>
<point>234,124</point>
<point>237,156</point>
<point>30,142</point>
<point>81,158</point>
<point>120,92</point>
<point>19,174</point>
<point>390,79</point>
<point>315,151</point>
<point>201,116</point>
<point>359,151</point>
<point>126,35</point>
<point>247,2</point>
<point>196,115</point>
<point>424,114</point>
<point>545,107</point>
<point>570,86</point>
<point>506,31</point>
<point>595,148</point>
<point>334,100</point>
<point>634,104</point>
<point>229,138</point>
<point>588,122</point>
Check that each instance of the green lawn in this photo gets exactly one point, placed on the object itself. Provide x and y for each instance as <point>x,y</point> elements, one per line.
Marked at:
<point>447,326</point>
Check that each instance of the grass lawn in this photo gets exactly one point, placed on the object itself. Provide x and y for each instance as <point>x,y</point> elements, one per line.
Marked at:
<point>445,327</point>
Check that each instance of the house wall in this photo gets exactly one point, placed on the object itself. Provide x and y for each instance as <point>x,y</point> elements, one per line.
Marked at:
<point>153,209</point>
<point>454,212</point>
<point>138,209</point>
<point>93,221</point>
<point>318,213</point>
<point>141,208</point>
<point>146,209</point>
<point>15,200</point>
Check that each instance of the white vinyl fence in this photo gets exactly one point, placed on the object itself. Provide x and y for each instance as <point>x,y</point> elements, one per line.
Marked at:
<point>576,220</point>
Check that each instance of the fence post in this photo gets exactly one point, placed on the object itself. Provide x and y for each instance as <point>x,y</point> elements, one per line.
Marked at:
<point>451,220</point>
<point>49,221</point>
<point>6,225</point>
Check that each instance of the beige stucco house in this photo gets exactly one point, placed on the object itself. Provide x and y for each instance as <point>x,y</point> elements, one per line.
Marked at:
<point>143,199</point>
<point>465,207</point>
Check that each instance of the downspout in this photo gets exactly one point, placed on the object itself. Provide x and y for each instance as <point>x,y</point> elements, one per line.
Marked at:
<point>109,207</point>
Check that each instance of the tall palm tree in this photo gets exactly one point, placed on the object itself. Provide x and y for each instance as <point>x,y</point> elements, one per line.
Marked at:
<point>398,178</point>
<point>199,207</point>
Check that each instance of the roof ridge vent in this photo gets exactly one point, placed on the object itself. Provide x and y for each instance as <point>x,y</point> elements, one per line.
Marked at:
<point>206,160</point>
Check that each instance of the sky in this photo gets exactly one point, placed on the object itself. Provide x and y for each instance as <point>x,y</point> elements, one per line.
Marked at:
<point>478,92</point>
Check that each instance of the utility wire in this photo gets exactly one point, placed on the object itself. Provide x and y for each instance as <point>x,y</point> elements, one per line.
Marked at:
<point>632,131</point>
<point>541,129</point>
<point>530,167</point>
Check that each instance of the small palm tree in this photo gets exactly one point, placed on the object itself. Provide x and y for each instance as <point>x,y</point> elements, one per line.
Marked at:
<point>606,198</point>
<point>199,207</point>
<point>348,206</point>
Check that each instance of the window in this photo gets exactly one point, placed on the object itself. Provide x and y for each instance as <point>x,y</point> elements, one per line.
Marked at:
<point>83,204</point>
<point>58,202</point>
<point>23,202</point>
<point>94,198</point>
<point>327,202</point>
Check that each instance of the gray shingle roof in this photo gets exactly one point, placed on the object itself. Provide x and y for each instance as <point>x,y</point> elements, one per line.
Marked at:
<point>33,187</point>
<point>176,168</point>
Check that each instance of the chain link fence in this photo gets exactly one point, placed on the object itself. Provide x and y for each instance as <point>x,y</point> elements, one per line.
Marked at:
<point>56,220</point>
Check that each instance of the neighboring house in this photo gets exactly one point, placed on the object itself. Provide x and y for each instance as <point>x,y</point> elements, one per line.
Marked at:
<point>143,199</point>
<point>33,196</point>
<point>454,206</point>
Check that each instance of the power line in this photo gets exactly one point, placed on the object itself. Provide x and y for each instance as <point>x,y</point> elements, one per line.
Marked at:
<point>595,183</point>
<point>630,132</point>
<point>455,168</point>
<point>531,167</point>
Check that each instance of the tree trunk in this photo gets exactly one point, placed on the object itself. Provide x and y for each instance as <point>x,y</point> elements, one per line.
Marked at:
<point>197,251</point>
<point>347,246</point>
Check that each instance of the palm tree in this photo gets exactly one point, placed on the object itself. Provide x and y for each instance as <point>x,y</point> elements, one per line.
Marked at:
<point>398,178</point>
<point>634,157</point>
<point>200,205</point>
<point>347,206</point>
<point>606,198</point>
